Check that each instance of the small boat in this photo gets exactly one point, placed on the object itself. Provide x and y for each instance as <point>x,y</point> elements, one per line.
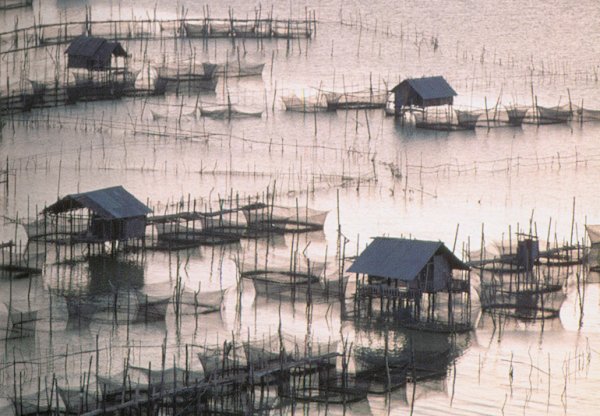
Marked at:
<point>467,119</point>
<point>516,115</point>
<point>558,114</point>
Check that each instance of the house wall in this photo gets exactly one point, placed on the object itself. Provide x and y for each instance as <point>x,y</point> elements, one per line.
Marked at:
<point>438,101</point>
<point>528,251</point>
<point>406,96</point>
<point>441,273</point>
<point>76,61</point>
<point>118,229</point>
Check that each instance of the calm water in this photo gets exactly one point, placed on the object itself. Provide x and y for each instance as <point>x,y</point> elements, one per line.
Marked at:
<point>492,51</point>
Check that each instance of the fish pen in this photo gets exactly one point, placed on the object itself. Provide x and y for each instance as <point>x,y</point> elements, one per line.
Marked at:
<point>41,35</point>
<point>360,99</point>
<point>447,119</point>
<point>229,111</point>
<point>278,276</point>
<point>94,218</point>
<point>530,295</point>
<point>21,322</point>
<point>184,230</point>
<point>276,218</point>
<point>239,69</point>
<point>170,390</point>
<point>306,103</point>
<point>190,76</point>
<point>521,281</point>
<point>293,272</point>
<point>18,261</point>
<point>554,115</point>
<point>524,253</point>
<point>194,223</point>
<point>151,307</point>
<point>80,88</point>
<point>516,115</point>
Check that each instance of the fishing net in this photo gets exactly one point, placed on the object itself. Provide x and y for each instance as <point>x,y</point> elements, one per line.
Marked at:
<point>305,104</point>
<point>152,302</point>
<point>221,359</point>
<point>193,302</point>
<point>165,378</point>
<point>285,218</point>
<point>60,225</point>
<point>267,350</point>
<point>21,320</point>
<point>593,232</point>
<point>368,98</point>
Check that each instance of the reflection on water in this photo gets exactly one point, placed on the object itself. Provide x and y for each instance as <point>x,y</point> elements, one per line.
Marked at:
<point>374,175</point>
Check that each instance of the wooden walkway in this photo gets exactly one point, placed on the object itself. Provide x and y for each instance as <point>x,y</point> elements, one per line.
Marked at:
<point>42,35</point>
<point>249,378</point>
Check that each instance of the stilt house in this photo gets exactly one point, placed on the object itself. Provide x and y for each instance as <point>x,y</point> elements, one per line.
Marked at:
<point>405,275</point>
<point>93,53</point>
<point>112,214</point>
<point>90,60</point>
<point>422,92</point>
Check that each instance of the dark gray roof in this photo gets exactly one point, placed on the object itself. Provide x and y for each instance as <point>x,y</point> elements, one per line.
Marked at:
<point>429,87</point>
<point>400,258</point>
<point>110,203</point>
<point>90,47</point>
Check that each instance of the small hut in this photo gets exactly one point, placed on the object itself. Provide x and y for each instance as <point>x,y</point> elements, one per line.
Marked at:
<point>112,214</point>
<point>405,276</point>
<point>422,92</point>
<point>96,75</point>
<point>93,53</point>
